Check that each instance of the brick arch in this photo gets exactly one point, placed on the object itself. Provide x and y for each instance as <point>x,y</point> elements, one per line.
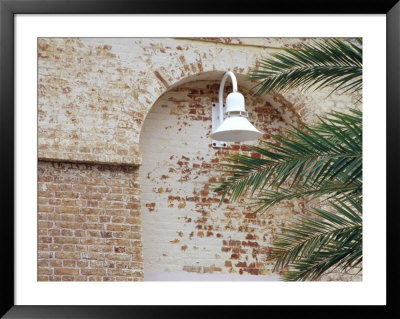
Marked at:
<point>277,100</point>
<point>94,113</point>
<point>179,211</point>
<point>164,85</point>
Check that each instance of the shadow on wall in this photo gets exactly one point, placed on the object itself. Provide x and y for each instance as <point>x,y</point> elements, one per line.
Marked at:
<point>186,235</point>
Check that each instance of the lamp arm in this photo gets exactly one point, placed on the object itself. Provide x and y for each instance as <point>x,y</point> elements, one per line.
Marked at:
<point>221,93</point>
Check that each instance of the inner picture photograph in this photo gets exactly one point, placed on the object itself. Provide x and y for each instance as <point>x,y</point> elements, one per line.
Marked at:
<point>199,159</point>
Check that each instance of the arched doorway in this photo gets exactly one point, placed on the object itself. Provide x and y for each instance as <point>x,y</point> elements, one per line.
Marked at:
<point>186,234</point>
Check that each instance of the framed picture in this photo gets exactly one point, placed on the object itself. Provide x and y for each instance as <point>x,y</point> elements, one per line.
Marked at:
<point>128,134</point>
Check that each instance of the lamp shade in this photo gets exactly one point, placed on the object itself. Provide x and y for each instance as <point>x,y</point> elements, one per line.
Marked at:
<point>236,129</point>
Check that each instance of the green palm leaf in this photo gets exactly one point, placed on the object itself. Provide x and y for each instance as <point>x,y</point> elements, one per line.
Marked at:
<point>324,153</point>
<point>269,197</point>
<point>309,162</point>
<point>313,245</point>
<point>321,64</point>
<point>320,160</point>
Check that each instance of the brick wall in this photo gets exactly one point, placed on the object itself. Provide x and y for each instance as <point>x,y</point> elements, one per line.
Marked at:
<point>94,95</point>
<point>184,229</point>
<point>89,225</point>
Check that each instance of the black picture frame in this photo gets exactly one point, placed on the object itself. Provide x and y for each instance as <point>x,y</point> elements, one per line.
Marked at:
<point>9,8</point>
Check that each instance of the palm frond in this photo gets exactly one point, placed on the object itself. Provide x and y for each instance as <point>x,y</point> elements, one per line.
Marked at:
<point>309,162</point>
<point>324,262</point>
<point>326,152</point>
<point>328,240</point>
<point>269,197</point>
<point>321,64</point>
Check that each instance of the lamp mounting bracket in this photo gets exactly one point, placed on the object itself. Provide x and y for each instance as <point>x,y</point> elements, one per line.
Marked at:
<point>215,123</point>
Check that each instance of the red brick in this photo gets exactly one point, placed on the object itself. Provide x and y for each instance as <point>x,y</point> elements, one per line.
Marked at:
<point>55,263</point>
<point>92,211</point>
<point>67,210</point>
<point>66,271</point>
<point>45,209</point>
<point>68,225</point>
<point>67,194</point>
<point>69,263</point>
<point>98,248</point>
<point>66,240</point>
<point>67,278</point>
<point>82,263</point>
<point>45,271</point>
<point>42,278</point>
<point>68,247</point>
<point>112,227</point>
<point>88,272</point>
<point>67,255</point>
<point>43,232</point>
<point>80,233</point>
<point>42,239</point>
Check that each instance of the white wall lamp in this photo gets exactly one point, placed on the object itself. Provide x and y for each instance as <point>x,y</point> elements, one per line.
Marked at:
<point>229,122</point>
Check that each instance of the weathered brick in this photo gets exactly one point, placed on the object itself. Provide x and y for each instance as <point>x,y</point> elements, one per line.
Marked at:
<point>42,278</point>
<point>54,232</point>
<point>43,239</point>
<point>120,272</point>
<point>117,212</point>
<point>45,208</point>
<point>112,227</point>
<point>45,271</point>
<point>119,257</point>
<point>98,248</point>
<point>68,225</point>
<point>54,278</point>
<point>118,242</point>
<point>95,256</point>
<point>66,271</point>
<point>67,278</point>
<point>97,271</point>
<point>69,263</point>
<point>67,255</point>
<point>46,225</point>
<point>92,211</point>
<point>67,194</point>
<point>55,263</point>
<point>82,263</point>
<point>92,218</point>
<point>66,240</point>
<point>104,219</point>
<point>67,210</point>
<point>68,247</point>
